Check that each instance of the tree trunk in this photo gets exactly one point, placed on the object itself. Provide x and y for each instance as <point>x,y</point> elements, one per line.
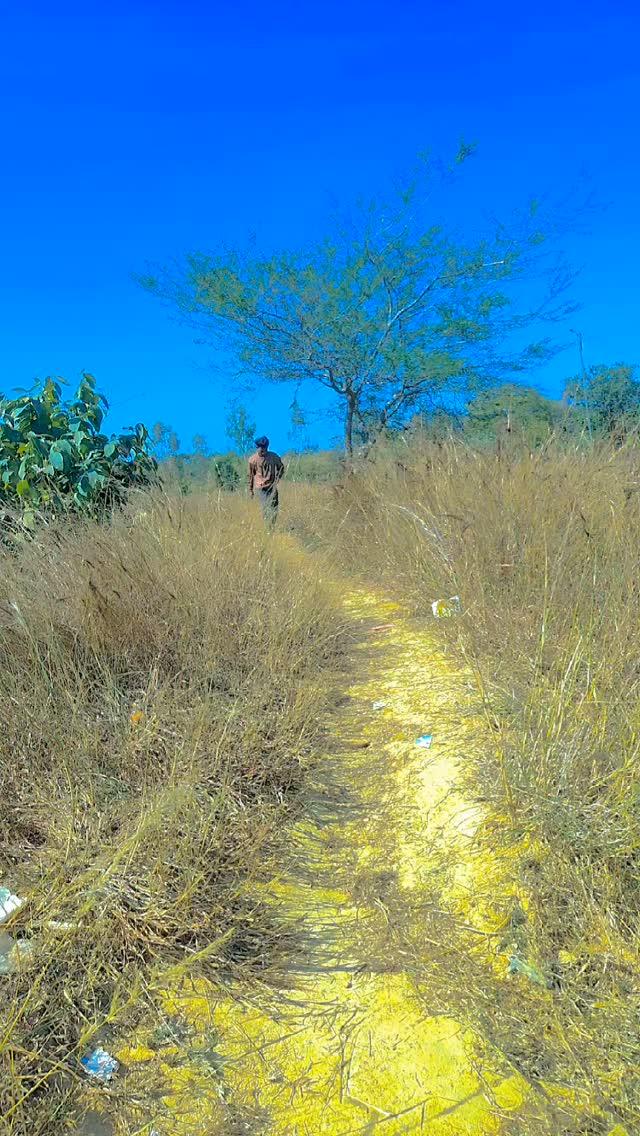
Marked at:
<point>348,425</point>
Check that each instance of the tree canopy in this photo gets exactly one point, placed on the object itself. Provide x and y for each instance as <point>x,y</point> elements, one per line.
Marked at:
<point>388,313</point>
<point>605,400</point>
<point>239,428</point>
<point>164,441</point>
<point>519,410</point>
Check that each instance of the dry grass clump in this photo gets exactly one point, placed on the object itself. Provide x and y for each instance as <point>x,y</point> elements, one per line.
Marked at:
<point>163,682</point>
<point>543,550</point>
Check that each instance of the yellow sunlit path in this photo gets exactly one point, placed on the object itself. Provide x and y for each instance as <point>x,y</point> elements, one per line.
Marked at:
<point>344,1044</point>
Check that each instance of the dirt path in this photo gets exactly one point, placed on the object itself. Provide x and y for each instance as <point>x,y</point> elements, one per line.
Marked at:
<point>346,1046</point>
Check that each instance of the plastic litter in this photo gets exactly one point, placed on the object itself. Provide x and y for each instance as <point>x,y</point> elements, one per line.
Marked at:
<point>13,954</point>
<point>6,947</point>
<point>100,1065</point>
<point>517,966</point>
<point>442,609</point>
<point>381,627</point>
<point>380,705</point>
<point>424,742</point>
<point>8,903</point>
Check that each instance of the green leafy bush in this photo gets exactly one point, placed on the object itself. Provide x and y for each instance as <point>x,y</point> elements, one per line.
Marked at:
<point>53,456</point>
<point>227,471</point>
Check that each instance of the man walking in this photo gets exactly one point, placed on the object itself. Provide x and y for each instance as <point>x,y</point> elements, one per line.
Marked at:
<point>265,471</point>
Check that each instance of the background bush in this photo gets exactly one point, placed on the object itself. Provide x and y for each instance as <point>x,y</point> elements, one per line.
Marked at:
<point>53,457</point>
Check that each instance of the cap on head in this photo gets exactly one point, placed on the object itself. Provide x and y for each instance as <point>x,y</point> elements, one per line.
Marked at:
<point>262,442</point>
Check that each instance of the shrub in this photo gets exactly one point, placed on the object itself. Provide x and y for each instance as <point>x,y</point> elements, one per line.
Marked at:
<point>53,457</point>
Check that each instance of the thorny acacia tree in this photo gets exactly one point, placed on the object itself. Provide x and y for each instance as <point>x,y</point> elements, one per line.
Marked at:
<point>388,315</point>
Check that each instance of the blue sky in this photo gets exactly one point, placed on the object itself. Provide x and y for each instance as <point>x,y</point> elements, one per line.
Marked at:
<point>134,132</point>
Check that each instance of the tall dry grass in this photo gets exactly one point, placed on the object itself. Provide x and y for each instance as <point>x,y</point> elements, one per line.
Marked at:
<point>163,683</point>
<point>544,551</point>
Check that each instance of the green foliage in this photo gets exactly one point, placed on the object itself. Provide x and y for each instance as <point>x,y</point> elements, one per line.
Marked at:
<point>165,443</point>
<point>511,409</point>
<point>313,466</point>
<point>187,473</point>
<point>605,400</point>
<point>53,456</point>
<point>200,445</point>
<point>298,417</point>
<point>190,472</point>
<point>227,471</point>
<point>239,428</point>
<point>437,426</point>
<point>388,311</point>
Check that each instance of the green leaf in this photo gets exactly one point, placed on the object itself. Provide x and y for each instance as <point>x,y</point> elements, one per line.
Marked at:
<point>51,392</point>
<point>42,437</point>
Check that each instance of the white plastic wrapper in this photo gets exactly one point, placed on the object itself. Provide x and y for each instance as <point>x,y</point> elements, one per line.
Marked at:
<point>442,609</point>
<point>8,903</point>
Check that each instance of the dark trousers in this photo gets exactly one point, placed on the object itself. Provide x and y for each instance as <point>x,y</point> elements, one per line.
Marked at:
<point>269,503</point>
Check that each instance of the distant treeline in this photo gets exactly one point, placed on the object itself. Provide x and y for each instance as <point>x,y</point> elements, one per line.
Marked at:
<point>602,404</point>
<point>229,471</point>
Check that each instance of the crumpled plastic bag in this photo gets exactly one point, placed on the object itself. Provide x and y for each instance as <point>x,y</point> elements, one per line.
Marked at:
<point>100,1065</point>
<point>442,609</point>
<point>424,742</point>
<point>518,966</point>
<point>8,903</point>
